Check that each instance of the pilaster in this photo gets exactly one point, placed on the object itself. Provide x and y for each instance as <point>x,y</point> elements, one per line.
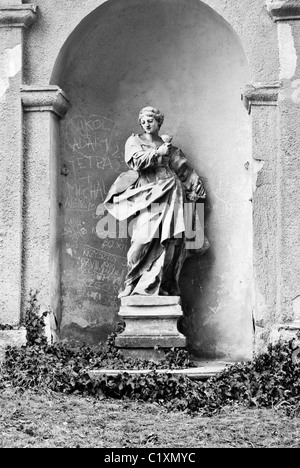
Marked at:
<point>260,94</point>
<point>284,322</point>
<point>43,108</point>
<point>286,14</point>
<point>17,16</point>
<point>261,100</point>
<point>283,10</point>
<point>13,19</point>
<point>44,99</point>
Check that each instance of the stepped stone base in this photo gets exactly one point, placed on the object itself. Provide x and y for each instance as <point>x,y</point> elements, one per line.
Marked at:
<point>151,324</point>
<point>204,370</point>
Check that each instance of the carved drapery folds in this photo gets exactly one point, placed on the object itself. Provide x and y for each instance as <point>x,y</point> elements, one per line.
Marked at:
<point>43,99</point>
<point>284,10</point>
<point>261,95</point>
<point>19,16</point>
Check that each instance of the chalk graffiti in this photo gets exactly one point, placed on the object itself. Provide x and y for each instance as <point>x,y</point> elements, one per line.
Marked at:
<point>81,287</point>
<point>86,135</point>
<point>92,156</point>
<point>91,137</point>
<point>112,161</point>
<point>74,229</point>
<point>78,204</point>
<point>92,253</point>
<point>87,188</point>
<point>106,271</point>
<point>82,194</point>
<point>115,244</point>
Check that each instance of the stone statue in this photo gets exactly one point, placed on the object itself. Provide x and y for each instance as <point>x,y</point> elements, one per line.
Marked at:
<point>154,192</point>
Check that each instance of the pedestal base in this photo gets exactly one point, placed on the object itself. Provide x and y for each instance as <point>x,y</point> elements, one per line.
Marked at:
<point>151,324</point>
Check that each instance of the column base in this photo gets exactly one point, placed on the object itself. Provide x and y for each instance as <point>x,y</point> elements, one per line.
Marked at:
<point>151,326</point>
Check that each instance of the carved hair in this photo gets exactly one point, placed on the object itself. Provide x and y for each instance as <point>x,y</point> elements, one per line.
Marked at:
<point>150,111</point>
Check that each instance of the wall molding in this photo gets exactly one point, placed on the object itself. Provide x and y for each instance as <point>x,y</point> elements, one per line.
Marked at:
<point>44,99</point>
<point>17,16</point>
<point>259,94</point>
<point>284,10</point>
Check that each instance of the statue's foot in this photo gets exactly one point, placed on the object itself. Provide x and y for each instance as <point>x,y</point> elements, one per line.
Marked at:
<point>127,291</point>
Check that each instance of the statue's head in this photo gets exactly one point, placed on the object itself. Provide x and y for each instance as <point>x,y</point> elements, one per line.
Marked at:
<point>150,111</point>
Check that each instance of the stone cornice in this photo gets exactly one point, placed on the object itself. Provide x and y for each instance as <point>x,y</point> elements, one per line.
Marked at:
<point>284,10</point>
<point>17,16</point>
<point>44,99</point>
<point>260,94</point>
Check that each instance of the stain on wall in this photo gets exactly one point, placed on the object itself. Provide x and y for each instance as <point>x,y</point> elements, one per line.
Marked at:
<point>10,66</point>
<point>287,52</point>
<point>183,58</point>
<point>11,176</point>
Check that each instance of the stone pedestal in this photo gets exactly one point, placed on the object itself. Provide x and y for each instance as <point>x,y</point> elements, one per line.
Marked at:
<point>151,324</point>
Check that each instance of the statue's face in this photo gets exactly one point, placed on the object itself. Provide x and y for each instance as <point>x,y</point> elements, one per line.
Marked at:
<point>149,124</point>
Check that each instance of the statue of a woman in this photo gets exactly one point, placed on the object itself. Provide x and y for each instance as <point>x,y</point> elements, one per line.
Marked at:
<point>154,192</point>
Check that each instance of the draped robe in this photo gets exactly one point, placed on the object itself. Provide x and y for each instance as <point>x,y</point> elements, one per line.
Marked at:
<point>153,193</point>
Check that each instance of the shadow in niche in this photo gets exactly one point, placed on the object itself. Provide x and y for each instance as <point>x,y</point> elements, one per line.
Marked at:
<point>92,335</point>
<point>183,57</point>
<point>195,284</point>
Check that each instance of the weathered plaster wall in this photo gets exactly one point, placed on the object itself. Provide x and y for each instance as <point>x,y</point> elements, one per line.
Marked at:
<point>270,49</point>
<point>36,236</point>
<point>280,298</point>
<point>57,21</point>
<point>289,180</point>
<point>178,43</point>
<point>10,175</point>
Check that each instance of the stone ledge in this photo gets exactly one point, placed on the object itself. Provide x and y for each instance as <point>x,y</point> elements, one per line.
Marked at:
<point>150,301</point>
<point>294,326</point>
<point>150,342</point>
<point>284,10</point>
<point>11,338</point>
<point>17,16</point>
<point>44,99</point>
<point>195,373</point>
<point>259,94</point>
<point>139,312</point>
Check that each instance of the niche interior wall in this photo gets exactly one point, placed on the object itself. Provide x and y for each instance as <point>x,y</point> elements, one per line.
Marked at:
<point>185,59</point>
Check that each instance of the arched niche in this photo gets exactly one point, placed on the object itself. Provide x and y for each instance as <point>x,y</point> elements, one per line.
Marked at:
<point>184,58</point>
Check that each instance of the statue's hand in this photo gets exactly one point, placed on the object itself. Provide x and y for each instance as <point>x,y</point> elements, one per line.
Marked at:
<point>164,149</point>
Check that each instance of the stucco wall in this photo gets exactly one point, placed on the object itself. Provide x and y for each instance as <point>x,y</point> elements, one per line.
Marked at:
<point>210,60</point>
<point>57,21</point>
<point>272,51</point>
<point>10,175</point>
<point>186,60</point>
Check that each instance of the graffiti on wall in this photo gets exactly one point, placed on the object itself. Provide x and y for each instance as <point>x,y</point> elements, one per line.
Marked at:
<point>91,138</point>
<point>93,265</point>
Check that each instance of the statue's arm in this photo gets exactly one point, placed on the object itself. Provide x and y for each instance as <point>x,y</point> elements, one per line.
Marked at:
<point>194,187</point>
<point>137,156</point>
<point>190,179</point>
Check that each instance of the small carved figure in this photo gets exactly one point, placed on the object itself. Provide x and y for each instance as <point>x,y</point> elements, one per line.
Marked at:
<point>154,192</point>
